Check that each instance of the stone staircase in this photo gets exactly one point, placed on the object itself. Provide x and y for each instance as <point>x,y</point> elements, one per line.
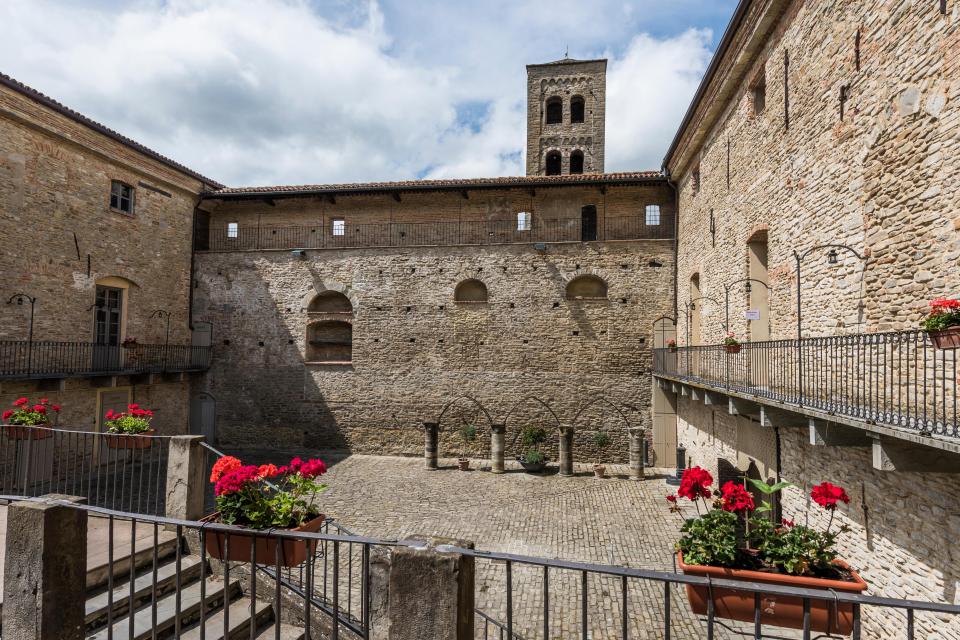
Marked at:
<point>217,596</point>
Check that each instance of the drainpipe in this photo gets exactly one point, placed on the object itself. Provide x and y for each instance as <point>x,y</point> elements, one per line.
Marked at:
<point>676,240</point>
<point>778,510</point>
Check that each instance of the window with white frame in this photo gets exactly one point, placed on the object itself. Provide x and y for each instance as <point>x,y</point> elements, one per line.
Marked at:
<point>523,221</point>
<point>233,230</point>
<point>339,227</point>
<point>653,214</point>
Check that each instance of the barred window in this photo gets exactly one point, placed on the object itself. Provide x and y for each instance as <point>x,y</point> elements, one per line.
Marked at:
<point>233,230</point>
<point>653,214</point>
<point>523,221</point>
<point>121,197</point>
<point>339,227</point>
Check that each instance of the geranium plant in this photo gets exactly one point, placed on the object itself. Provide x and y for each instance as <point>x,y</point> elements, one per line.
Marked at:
<point>672,344</point>
<point>30,414</point>
<point>944,313</point>
<point>730,530</point>
<point>132,421</point>
<point>730,340</point>
<point>129,342</point>
<point>265,496</point>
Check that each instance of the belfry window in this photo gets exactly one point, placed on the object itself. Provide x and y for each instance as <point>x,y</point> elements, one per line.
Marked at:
<point>576,162</point>
<point>554,111</point>
<point>553,163</point>
<point>576,109</point>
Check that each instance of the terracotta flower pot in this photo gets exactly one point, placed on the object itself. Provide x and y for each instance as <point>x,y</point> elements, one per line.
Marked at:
<point>947,339</point>
<point>600,470</point>
<point>732,348</point>
<point>129,440</point>
<point>22,432</point>
<point>464,464</point>
<point>826,616</point>
<point>292,552</point>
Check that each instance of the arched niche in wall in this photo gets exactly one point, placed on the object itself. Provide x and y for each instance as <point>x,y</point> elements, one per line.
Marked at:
<point>587,287</point>
<point>330,341</point>
<point>330,302</point>
<point>471,291</point>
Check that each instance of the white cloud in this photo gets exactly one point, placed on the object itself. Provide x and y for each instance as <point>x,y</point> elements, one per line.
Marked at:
<point>288,91</point>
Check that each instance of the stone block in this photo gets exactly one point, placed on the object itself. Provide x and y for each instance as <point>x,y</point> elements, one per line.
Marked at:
<point>186,478</point>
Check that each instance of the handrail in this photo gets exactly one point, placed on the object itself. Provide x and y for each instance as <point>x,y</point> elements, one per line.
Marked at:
<point>21,359</point>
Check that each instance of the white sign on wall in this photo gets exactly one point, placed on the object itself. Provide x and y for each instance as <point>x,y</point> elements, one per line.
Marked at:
<point>752,314</point>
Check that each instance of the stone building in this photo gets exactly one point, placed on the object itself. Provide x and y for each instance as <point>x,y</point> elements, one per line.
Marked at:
<point>566,117</point>
<point>97,233</point>
<point>824,139</point>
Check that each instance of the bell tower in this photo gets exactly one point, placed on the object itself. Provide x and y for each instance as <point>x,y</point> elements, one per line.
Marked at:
<point>566,117</point>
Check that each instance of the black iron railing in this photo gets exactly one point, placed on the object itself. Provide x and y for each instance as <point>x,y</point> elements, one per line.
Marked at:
<point>323,235</point>
<point>524,596</point>
<point>896,379</point>
<point>48,359</point>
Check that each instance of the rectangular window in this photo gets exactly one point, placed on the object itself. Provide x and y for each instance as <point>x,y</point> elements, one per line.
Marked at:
<point>523,221</point>
<point>695,180</point>
<point>233,230</point>
<point>758,95</point>
<point>121,197</point>
<point>653,214</point>
<point>339,227</point>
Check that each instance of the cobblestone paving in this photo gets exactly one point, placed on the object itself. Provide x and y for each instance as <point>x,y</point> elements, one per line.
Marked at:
<point>613,521</point>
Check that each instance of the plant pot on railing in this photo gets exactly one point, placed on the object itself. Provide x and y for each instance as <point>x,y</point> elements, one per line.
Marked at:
<point>731,348</point>
<point>293,552</point>
<point>21,432</point>
<point>826,616</point>
<point>142,440</point>
<point>943,323</point>
<point>730,344</point>
<point>28,421</point>
<point>130,429</point>
<point>946,339</point>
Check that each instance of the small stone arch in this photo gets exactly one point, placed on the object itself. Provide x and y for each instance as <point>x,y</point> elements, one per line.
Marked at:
<point>600,400</point>
<point>553,110</point>
<point>468,398</point>
<point>329,285</point>
<point>471,291</point>
<point>330,302</point>
<point>587,286</point>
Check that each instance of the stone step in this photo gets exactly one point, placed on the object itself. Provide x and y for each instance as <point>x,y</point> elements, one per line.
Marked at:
<point>166,611</point>
<point>240,621</point>
<point>98,566</point>
<point>97,606</point>
<point>287,632</point>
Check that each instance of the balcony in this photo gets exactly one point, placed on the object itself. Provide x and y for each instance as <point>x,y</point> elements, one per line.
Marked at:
<point>868,386</point>
<point>21,359</point>
<point>425,234</point>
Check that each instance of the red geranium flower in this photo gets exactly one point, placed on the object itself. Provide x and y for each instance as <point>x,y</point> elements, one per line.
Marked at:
<point>268,470</point>
<point>44,401</point>
<point>671,498</point>
<point>786,523</point>
<point>735,498</point>
<point>19,402</point>
<point>236,480</point>
<point>695,483</point>
<point>39,408</point>
<point>7,413</point>
<point>224,465</point>
<point>133,406</point>
<point>55,407</point>
<point>828,495</point>
<point>312,468</point>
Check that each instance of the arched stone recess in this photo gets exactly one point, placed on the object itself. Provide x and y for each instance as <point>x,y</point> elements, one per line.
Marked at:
<point>329,342</point>
<point>586,284</point>
<point>471,291</point>
<point>325,286</point>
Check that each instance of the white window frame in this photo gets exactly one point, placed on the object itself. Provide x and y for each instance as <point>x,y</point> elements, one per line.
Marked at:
<point>524,220</point>
<point>338,227</point>
<point>233,230</point>
<point>652,213</point>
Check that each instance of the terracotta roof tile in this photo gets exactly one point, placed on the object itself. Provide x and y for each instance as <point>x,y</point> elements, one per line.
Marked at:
<point>443,185</point>
<point>63,110</point>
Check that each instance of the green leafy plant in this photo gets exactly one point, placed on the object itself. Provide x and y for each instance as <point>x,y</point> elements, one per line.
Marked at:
<point>133,421</point>
<point>944,313</point>
<point>601,440</point>
<point>468,433</point>
<point>769,490</point>
<point>267,496</point>
<point>533,436</point>
<point>710,539</point>
<point>26,414</point>
<point>730,340</point>
<point>534,456</point>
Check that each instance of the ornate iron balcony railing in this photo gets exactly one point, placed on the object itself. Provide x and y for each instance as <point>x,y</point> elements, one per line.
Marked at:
<point>896,379</point>
<point>22,359</point>
<point>440,233</point>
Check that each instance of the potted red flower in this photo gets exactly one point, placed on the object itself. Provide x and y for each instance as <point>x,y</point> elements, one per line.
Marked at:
<point>130,429</point>
<point>17,422</point>
<point>261,498</point>
<point>672,345</point>
<point>732,538</point>
<point>943,323</point>
<point>730,343</point>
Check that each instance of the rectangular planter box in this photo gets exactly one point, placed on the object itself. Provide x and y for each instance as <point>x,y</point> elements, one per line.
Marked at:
<point>129,440</point>
<point>947,339</point>
<point>292,552</point>
<point>778,611</point>
<point>20,432</point>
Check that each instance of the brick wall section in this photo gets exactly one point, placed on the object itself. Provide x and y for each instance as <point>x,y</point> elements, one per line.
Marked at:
<point>415,349</point>
<point>55,177</point>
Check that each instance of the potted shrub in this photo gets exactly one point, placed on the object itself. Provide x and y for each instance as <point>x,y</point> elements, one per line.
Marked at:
<point>469,433</point>
<point>263,498</point>
<point>601,440</point>
<point>672,345</point>
<point>943,323</point>
<point>732,539</point>
<point>533,460</point>
<point>130,429</point>
<point>18,422</point>
<point>730,343</point>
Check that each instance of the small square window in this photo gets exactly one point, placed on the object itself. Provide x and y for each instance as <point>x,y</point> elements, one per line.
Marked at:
<point>523,221</point>
<point>233,230</point>
<point>653,215</point>
<point>121,197</point>
<point>339,227</point>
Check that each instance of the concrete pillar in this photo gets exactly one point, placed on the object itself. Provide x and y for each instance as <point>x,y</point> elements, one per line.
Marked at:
<point>186,478</point>
<point>422,590</point>
<point>431,435</point>
<point>566,451</point>
<point>45,572</point>
<point>637,437</point>
<point>497,446</point>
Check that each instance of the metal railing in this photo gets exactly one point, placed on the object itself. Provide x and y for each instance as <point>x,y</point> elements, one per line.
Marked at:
<point>112,471</point>
<point>533,597</point>
<point>440,233</point>
<point>896,379</point>
<point>21,359</point>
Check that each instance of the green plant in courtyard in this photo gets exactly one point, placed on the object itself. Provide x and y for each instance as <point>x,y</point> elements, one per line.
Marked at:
<point>133,421</point>
<point>534,456</point>
<point>532,438</point>
<point>468,433</point>
<point>601,440</point>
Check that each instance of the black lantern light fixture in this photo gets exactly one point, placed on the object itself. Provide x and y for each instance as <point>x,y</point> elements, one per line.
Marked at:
<point>747,287</point>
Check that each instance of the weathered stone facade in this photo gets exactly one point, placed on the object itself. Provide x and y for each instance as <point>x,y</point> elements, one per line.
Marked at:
<point>63,239</point>
<point>827,123</point>
<point>566,81</point>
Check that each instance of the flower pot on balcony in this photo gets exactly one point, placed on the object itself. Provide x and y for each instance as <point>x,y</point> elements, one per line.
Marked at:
<point>731,348</point>
<point>292,552</point>
<point>23,432</point>
<point>130,440</point>
<point>826,616</point>
<point>463,464</point>
<point>946,339</point>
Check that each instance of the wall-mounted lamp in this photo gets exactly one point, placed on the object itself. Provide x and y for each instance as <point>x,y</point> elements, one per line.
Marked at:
<point>832,256</point>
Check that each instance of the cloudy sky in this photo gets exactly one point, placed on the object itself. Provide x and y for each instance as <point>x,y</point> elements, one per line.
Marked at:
<point>255,92</point>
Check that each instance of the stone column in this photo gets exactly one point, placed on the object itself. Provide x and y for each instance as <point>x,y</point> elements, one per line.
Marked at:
<point>637,437</point>
<point>45,573</point>
<point>422,590</point>
<point>497,446</point>
<point>431,435</point>
<point>186,478</point>
<point>566,451</point>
